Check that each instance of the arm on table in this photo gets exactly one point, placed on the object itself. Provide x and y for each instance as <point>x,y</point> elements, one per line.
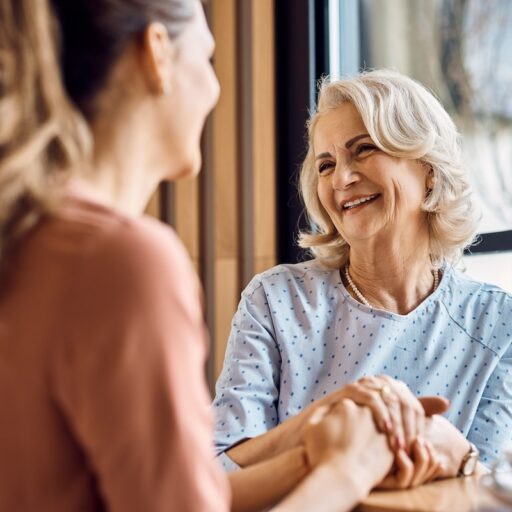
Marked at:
<point>264,484</point>
<point>288,434</point>
<point>349,457</point>
<point>331,487</point>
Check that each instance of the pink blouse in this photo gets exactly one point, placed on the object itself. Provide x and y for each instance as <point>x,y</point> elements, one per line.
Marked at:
<point>103,404</point>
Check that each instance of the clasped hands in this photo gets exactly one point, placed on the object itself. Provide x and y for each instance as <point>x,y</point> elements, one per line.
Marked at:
<point>390,438</point>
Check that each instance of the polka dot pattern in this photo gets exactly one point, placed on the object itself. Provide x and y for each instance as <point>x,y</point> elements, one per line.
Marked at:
<point>298,335</point>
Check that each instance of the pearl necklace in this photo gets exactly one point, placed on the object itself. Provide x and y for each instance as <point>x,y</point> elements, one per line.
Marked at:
<point>363,299</point>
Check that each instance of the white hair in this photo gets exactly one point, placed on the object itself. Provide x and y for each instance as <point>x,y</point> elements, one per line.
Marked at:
<point>404,120</point>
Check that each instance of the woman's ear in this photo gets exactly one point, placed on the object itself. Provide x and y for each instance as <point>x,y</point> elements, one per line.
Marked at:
<point>158,54</point>
<point>430,179</point>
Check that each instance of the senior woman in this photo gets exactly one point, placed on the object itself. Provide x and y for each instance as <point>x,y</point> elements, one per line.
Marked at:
<point>391,211</point>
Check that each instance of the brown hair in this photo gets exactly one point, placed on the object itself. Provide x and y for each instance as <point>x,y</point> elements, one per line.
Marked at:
<point>54,59</point>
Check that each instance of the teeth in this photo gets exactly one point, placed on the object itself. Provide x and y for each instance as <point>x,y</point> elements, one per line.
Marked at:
<point>359,201</point>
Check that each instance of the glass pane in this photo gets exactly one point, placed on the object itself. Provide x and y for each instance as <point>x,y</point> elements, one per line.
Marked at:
<point>460,49</point>
<point>493,268</point>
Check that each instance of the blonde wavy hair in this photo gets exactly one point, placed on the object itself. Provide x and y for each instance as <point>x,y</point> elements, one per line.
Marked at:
<point>41,133</point>
<point>404,120</point>
<point>55,57</point>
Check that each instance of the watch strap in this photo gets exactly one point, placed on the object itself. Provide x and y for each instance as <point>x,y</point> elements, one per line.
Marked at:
<point>469,462</point>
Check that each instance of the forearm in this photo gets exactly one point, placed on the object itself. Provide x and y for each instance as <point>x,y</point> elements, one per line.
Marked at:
<point>334,486</point>
<point>261,485</point>
<point>276,441</point>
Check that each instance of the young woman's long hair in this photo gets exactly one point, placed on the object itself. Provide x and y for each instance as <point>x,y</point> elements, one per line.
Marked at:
<point>41,134</point>
<point>54,58</point>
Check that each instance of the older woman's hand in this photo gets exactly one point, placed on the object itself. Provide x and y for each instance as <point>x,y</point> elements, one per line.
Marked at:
<point>367,391</point>
<point>331,431</point>
<point>422,465</point>
<point>448,442</point>
<point>396,411</point>
<point>399,414</point>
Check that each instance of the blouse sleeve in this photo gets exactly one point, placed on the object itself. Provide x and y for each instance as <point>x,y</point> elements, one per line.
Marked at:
<point>247,390</point>
<point>491,429</point>
<point>129,377</point>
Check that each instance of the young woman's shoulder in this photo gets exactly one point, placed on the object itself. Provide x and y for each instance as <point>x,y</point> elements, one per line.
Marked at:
<point>93,232</point>
<point>87,244</point>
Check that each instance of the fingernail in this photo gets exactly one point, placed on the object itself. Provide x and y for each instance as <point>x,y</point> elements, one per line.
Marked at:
<point>389,425</point>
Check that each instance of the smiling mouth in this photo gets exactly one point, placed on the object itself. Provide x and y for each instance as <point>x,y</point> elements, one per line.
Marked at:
<point>349,205</point>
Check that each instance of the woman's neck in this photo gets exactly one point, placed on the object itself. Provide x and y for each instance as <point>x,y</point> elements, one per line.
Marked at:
<point>122,188</point>
<point>396,281</point>
<point>129,159</point>
<point>127,164</point>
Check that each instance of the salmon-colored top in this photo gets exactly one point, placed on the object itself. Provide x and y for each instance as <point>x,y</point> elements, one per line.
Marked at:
<point>103,404</point>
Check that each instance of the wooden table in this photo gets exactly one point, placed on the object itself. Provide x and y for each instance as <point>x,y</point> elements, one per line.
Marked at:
<point>452,495</point>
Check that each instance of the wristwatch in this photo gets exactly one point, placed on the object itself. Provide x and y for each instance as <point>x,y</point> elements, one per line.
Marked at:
<point>469,462</point>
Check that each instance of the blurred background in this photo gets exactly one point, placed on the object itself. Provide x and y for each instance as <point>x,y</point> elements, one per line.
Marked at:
<point>241,215</point>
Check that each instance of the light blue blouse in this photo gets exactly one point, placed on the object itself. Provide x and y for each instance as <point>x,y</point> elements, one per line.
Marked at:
<point>298,335</point>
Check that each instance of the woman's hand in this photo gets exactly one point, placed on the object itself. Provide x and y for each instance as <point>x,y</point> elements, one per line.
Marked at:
<point>348,457</point>
<point>448,442</point>
<point>374,392</point>
<point>396,411</point>
<point>421,466</point>
<point>347,432</point>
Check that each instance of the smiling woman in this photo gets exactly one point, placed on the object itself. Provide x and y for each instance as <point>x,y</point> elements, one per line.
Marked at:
<point>388,115</point>
<point>359,177</point>
<point>391,211</point>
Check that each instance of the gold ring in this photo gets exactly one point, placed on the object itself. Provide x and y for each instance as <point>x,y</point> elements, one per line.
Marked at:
<point>384,390</point>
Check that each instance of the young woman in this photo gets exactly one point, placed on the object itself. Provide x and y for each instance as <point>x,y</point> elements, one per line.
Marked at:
<point>102,395</point>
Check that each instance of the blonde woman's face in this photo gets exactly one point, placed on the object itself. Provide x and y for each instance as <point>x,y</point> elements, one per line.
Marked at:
<point>194,91</point>
<point>367,193</point>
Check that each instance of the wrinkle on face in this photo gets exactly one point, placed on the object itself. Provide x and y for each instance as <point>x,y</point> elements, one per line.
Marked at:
<point>400,182</point>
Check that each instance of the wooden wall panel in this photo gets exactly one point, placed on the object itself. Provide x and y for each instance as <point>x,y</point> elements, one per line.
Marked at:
<point>263,154</point>
<point>226,217</point>
<point>224,167</point>
<point>153,207</point>
<point>187,210</point>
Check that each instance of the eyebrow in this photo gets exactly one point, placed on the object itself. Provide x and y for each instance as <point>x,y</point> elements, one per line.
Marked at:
<point>348,145</point>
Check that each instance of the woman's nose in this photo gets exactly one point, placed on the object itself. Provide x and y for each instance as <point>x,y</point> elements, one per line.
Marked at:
<point>344,176</point>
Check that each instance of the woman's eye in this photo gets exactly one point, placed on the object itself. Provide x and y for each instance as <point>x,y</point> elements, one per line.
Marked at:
<point>365,148</point>
<point>324,166</point>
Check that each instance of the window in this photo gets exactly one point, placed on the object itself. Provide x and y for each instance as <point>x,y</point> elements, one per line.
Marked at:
<point>460,49</point>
